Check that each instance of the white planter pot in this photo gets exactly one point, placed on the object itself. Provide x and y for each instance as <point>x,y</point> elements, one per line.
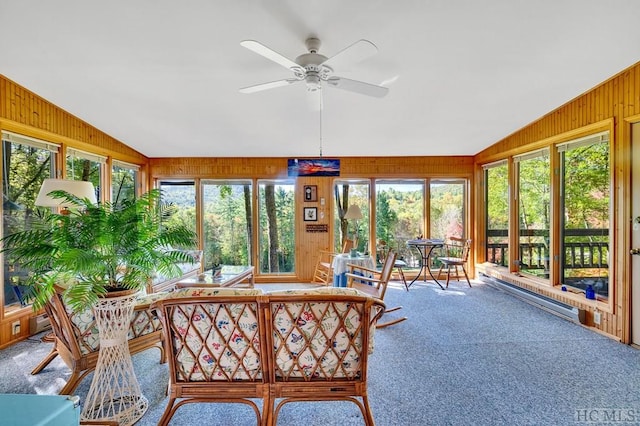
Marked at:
<point>114,394</point>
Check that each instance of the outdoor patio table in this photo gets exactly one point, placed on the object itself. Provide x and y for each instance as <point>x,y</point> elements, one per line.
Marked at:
<point>425,249</point>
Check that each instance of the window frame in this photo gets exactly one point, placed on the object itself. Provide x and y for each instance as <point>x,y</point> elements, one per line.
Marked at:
<point>289,182</point>
<point>54,149</point>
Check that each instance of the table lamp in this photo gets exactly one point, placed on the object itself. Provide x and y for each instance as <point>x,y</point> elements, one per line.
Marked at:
<point>354,213</point>
<point>79,188</point>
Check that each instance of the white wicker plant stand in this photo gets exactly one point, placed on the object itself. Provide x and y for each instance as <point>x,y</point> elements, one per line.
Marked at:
<point>114,393</point>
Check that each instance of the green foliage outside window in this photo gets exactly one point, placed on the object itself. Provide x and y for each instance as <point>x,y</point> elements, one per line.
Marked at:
<point>276,233</point>
<point>25,168</point>
<point>497,213</point>
<point>227,223</point>
<point>123,184</point>
<point>587,192</point>
<point>534,214</point>
<point>584,220</point>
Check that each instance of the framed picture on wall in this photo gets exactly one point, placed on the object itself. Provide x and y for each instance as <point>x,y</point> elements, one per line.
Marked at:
<point>310,193</point>
<point>313,167</point>
<point>310,214</point>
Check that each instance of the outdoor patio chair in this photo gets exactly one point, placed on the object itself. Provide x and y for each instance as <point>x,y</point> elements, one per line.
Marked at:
<point>382,250</point>
<point>456,255</point>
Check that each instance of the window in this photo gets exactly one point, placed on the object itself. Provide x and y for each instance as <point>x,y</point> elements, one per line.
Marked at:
<point>586,206</point>
<point>400,216</point>
<point>181,194</point>
<point>27,163</point>
<point>276,232</point>
<point>497,212</point>
<point>124,181</point>
<point>447,208</point>
<point>86,167</point>
<point>227,222</point>
<point>346,194</point>
<point>534,214</point>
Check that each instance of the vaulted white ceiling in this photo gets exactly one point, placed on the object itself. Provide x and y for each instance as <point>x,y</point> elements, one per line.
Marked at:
<point>163,76</point>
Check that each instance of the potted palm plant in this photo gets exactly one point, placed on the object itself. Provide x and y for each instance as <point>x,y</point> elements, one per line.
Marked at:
<point>101,250</point>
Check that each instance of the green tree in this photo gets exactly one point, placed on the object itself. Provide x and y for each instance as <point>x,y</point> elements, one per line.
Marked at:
<point>341,194</point>
<point>386,219</point>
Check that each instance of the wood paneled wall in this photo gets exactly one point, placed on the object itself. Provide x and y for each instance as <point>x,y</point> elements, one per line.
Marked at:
<point>22,111</point>
<point>26,113</point>
<point>308,244</point>
<point>274,167</point>
<point>618,97</point>
<point>614,104</point>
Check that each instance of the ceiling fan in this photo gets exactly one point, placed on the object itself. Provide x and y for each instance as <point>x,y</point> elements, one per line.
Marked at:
<point>314,68</point>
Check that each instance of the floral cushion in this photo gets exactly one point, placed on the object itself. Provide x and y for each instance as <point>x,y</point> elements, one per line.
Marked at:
<point>214,291</point>
<point>143,321</point>
<point>333,290</point>
<point>320,290</point>
<point>215,341</point>
<point>303,330</point>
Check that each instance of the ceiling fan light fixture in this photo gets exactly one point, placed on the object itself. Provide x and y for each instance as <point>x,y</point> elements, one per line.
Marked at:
<point>313,82</point>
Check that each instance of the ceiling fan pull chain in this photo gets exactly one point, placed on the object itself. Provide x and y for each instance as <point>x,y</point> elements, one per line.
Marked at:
<point>320,123</point>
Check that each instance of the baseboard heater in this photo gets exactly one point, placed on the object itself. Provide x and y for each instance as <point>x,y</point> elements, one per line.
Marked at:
<point>39,323</point>
<point>563,310</point>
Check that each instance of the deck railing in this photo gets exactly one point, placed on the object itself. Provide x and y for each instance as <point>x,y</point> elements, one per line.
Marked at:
<point>583,249</point>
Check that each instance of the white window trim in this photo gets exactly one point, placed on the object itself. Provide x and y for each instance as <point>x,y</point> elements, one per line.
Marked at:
<point>125,165</point>
<point>86,155</point>
<point>494,164</point>
<point>26,140</point>
<point>530,155</point>
<point>585,141</point>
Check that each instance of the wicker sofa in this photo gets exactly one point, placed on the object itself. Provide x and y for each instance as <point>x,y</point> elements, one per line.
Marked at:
<point>240,345</point>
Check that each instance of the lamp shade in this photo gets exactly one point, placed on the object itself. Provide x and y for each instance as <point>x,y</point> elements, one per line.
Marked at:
<point>353,212</point>
<point>79,188</point>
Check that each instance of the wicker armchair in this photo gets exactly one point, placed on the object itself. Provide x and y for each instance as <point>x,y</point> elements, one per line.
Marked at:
<point>319,344</point>
<point>214,341</point>
<point>77,342</point>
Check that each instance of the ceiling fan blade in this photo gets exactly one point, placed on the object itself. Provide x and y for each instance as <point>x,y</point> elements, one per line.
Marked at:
<point>352,54</point>
<point>358,86</point>
<point>268,53</point>
<point>266,86</point>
